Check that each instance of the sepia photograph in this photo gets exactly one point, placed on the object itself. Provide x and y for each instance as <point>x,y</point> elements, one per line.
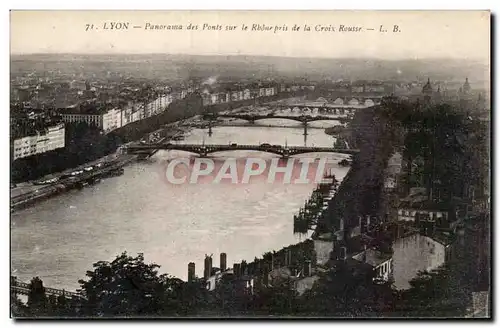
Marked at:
<point>250,164</point>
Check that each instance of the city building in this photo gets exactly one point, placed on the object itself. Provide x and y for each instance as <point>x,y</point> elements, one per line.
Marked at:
<point>111,120</point>
<point>419,253</point>
<point>206,99</point>
<point>72,114</point>
<point>381,263</point>
<point>267,90</point>
<point>40,141</point>
<point>409,209</point>
<point>358,87</point>
<point>393,171</point>
<point>104,117</point>
<point>134,106</point>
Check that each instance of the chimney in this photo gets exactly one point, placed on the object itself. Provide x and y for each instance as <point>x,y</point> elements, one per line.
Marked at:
<point>288,257</point>
<point>307,268</point>
<point>250,268</point>
<point>244,267</point>
<point>208,267</point>
<point>343,253</point>
<point>257,267</point>
<point>237,270</point>
<point>265,277</point>
<point>223,262</point>
<point>191,271</point>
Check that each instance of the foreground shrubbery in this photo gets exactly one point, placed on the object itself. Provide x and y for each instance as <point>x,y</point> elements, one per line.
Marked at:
<point>129,287</point>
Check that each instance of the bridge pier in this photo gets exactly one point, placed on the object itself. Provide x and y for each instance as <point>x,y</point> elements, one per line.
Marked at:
<point>285,154</point>
<point>305,128</point>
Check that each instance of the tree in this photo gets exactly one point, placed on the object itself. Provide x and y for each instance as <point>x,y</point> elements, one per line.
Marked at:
<point>126,287</point>
<point>278,300</point>
<point>37,300</point>
<point>348,292</point>
<point>434,294</point>
<point>17,307</point>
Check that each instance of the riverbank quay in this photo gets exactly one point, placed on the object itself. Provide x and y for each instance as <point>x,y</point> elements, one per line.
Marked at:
<point>85,143</point>
<point>66,183</point>
<point>294,265</point>
<point>361,190</point>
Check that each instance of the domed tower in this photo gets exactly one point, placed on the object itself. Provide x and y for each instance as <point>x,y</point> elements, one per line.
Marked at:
<point>427,91</point>
<point>466,94</point>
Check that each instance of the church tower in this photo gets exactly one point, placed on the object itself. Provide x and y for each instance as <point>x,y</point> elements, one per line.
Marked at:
<point>427,91</point>
<point>466,88</point>
<point>465,94</point>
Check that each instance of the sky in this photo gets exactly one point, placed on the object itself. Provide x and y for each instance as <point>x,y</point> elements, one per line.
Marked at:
<point>420,35</point>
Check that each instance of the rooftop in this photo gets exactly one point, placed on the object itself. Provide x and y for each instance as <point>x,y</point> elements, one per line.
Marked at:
<point>442,237</point>
<point>421,203</point>
<point>87,108</point>
<point>372,257</point>
<point>356,267</point>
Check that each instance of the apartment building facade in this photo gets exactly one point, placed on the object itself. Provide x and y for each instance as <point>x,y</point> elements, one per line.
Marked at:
<point>51,138</point>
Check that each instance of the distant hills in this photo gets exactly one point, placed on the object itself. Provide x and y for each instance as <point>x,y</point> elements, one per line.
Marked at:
<point>264,66</point>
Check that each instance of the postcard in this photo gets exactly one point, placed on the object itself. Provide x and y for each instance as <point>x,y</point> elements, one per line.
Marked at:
<point>250,164</point>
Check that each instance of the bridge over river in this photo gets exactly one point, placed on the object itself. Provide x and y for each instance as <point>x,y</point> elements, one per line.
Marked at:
<point>204,150</point>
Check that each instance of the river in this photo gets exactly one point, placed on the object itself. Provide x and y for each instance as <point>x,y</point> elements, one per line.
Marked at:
<point>140,212</point>
<point>59,239</point>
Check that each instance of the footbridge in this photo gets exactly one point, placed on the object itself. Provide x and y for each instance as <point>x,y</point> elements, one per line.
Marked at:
<point>204,150</point>
<point>23,288</point>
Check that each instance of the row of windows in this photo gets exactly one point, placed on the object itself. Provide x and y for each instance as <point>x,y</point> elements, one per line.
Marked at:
<point>53,143</point>
<point>82,118</point>
<point>413,213</point>
<point>19,152</point>
<point>384,268</point>
<point>32,142</point>
<point>21,148</point>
